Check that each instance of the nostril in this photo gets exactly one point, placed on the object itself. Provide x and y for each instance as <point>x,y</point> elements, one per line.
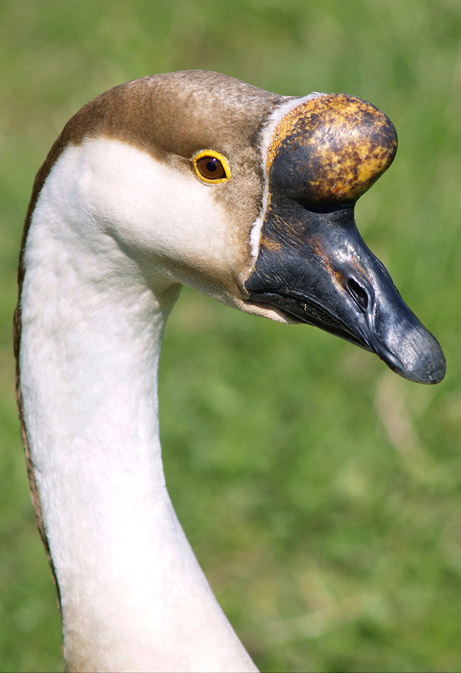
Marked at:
<point>358,292</point>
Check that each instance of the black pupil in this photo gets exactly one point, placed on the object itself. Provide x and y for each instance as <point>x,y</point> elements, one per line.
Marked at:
<point>211,165</point>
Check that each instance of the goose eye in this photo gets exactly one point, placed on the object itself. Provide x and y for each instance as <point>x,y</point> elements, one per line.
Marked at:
<point>211,166</point>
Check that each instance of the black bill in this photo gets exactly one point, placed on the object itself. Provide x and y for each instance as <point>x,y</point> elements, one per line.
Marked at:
<point>312,262</point>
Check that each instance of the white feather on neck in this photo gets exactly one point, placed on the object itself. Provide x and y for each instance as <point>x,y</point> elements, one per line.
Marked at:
<point>93,312</point>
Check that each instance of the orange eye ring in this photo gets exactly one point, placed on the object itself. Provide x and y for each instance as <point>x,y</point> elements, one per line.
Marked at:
<point>211,167</point>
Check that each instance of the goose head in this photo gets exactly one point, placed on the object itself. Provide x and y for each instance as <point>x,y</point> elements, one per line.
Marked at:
<point>249,197</point>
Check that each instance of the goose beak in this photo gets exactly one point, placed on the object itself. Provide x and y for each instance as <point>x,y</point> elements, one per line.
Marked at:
<point>312,262</point>
<point>326,276</point>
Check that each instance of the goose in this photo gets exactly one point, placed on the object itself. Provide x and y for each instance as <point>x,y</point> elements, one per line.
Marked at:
<point>189,178</point>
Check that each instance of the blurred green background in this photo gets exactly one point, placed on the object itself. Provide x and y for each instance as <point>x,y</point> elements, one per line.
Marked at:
<point>320,491</point>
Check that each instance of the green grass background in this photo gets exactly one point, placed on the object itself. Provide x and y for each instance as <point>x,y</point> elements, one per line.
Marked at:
<point>320,491</point>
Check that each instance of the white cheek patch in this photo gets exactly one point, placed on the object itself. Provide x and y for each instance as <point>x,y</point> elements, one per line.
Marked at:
<point>114,190</point>
<point>266,140</point>
<point>143,196</point>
